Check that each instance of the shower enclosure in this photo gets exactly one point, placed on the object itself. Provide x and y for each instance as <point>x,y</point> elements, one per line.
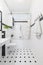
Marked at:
<point>22,29</point>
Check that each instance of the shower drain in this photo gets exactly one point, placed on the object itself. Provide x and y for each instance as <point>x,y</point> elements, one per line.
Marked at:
<point>19,56</point>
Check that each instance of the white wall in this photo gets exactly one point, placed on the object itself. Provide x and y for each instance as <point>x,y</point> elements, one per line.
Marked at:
<point>19,6</point>
<point>6,18</point>
<point>37,7</point>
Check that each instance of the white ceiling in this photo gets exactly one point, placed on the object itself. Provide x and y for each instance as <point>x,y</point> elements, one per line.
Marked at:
<point>19,6</point>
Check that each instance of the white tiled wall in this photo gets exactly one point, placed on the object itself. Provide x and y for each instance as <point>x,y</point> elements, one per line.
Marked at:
<point>24,33</point>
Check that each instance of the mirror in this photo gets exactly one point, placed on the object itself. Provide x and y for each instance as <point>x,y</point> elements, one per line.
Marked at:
<point>0,21</point>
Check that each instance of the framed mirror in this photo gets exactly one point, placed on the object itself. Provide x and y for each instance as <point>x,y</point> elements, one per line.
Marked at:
<point>0,20</point>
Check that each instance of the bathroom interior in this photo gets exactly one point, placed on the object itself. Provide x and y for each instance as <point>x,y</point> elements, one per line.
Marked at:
<point>21,32</point>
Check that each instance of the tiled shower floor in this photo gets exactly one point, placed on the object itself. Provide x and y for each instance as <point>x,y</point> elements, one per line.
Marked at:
<point>19,57</point>
<point>23,54</point>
